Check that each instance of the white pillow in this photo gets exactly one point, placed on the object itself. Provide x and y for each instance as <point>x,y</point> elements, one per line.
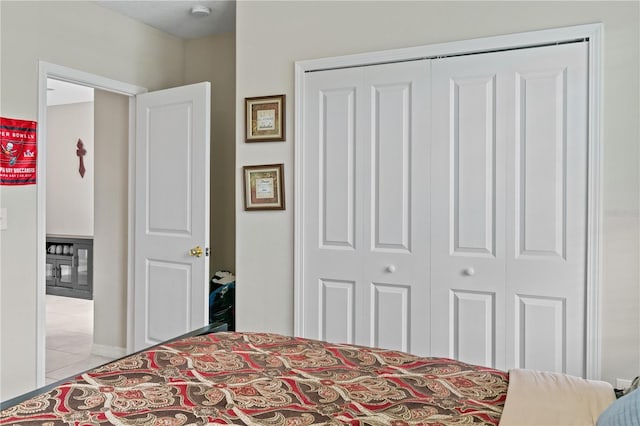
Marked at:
<point>537,398</point>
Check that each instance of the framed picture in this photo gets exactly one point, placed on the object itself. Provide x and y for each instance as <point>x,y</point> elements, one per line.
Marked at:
<point>264,118</point>
<point>264,187</point>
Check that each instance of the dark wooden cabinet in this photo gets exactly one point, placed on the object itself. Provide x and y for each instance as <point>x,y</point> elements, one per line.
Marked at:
<point>69,267</point>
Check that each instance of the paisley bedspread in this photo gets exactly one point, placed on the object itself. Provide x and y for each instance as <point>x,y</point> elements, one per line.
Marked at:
<point>269,379</point>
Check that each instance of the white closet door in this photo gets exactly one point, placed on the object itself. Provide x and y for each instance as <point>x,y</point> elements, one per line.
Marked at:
<point>366,251</point>
<point>332,261</point>
<point>547,210</point>
<point>467,248</point>
<point>508,235</point>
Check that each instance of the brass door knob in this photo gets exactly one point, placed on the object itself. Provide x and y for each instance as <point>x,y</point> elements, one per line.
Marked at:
<point>196,251</point>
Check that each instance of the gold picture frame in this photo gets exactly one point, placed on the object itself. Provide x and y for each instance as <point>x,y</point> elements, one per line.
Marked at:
<point>264,118</point>
<point>264,187</point>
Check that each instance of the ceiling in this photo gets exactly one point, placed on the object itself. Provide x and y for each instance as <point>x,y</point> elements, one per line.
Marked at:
<point>174,17</point>
<point>62,93</point>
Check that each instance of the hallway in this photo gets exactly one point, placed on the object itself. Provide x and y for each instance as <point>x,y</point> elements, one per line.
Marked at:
<point>69,338</point>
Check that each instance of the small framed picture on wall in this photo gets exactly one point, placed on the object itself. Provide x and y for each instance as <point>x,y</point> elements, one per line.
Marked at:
<point>264,118</point>
<point>264,187</point>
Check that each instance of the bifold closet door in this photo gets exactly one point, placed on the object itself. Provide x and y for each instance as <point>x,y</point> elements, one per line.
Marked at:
<point>365,206</point>
<point>509,151</point>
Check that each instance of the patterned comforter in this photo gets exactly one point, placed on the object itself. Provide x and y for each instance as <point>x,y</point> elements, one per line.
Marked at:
<point>269,379</point>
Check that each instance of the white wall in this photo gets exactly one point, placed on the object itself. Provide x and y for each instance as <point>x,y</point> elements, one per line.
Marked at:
<point>69,196</point>
<point>111,222</point>
<point>272,35</point>
<point>86,37</point>
<point>214,59</point>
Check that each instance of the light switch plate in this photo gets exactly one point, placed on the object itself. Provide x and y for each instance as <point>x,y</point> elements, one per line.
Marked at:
<point>3,218</point>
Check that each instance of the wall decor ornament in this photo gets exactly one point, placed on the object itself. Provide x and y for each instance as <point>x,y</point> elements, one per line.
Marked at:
<point>264,118</point>
<point>81,152</point>
<point>264,187</point>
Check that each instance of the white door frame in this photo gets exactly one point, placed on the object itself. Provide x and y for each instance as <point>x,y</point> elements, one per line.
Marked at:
<point>58,72</point>
<point>594,33</point>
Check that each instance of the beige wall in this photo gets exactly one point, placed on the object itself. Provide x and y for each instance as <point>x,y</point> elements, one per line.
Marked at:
<point>214,59</point>
<point>69,195</point>
<point>271,36</point>
<point>111,222</point>
<point>86,37</point>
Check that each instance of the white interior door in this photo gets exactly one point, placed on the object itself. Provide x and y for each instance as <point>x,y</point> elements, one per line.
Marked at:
<point>171,213</point>
<point>509,233</point>
<point>366,251</point>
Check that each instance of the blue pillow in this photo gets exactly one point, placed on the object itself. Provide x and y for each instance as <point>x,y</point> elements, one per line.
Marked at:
<point>623,412</point>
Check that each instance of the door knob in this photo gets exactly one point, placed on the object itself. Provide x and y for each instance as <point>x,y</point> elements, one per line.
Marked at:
<point>391,268</point>
<point>196,251</point>
<point>469,271</point>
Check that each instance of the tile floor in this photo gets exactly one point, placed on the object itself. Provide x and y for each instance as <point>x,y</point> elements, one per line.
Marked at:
<point>69,338</point>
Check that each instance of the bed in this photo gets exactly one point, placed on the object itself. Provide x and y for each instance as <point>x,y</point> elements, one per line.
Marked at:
<point>270,379</point>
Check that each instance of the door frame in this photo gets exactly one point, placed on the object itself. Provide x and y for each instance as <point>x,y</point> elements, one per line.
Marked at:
<point>49,70</point>
<point>594,34</point>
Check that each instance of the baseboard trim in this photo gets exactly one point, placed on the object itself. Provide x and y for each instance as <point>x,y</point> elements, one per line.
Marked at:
<point>108,351</point>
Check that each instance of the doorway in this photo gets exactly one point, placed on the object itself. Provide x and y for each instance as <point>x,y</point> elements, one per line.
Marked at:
<point>120,166</point>
<point>116,294</point>
<point>69,230</point>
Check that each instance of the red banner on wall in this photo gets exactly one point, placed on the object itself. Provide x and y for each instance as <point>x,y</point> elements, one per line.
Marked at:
<point>18,151</point>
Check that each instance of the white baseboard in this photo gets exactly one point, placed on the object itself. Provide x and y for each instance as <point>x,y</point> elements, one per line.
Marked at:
<point>108,351</point>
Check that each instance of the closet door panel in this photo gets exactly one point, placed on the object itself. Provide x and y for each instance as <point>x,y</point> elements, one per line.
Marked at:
<point>540,163</point>
<point>392,316</point>
<point>467,245</point>
<point>332,207</point>
<point>391,169</point>
<point>472,164</point>
<point>540,322</point>
<point>337,310</point>
<point>472,316</point>
<point>547,208</point>
<point>396,193</point>
<point>337,168</point>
